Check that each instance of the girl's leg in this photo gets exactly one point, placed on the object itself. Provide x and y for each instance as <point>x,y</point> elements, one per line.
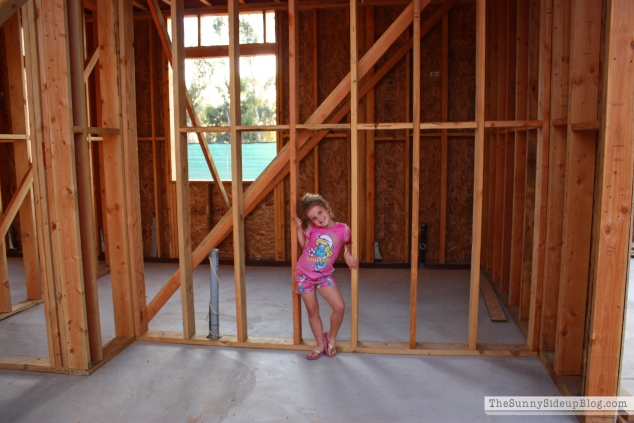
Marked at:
<point>312,308</point>
<point>332,295</point>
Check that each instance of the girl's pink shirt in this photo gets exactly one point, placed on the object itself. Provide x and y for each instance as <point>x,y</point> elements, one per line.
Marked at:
<point>322,248</point>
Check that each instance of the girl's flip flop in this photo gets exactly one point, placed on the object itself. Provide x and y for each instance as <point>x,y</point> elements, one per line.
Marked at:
<point>329,349</point>
<point>315,354</point>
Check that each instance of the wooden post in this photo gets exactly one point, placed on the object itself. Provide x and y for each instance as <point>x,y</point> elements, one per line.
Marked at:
<point>531,158</point>
<point>115,182</point>
<point>509,166</point>
<point>519,186</point>
<point>413,292</point>
<point>369,148</point>
<point>556,173</point>
<point>583,99</point>
<point>293,115</point>
<point>279,191</point>
<point>131,164</point>
<point>614,211</point>
<point>354,176</point>
<point>182,177</point>
<point>478,171</point>
<point>541,172</point>
<point>84,194</point>
<point>62,180</point>
<point>237,193</point>
<point>53,313</point>
<point>22,154</point>
<point>5,289</point>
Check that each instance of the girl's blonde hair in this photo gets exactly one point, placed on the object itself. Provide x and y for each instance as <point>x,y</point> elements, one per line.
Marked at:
<point>309,201</point>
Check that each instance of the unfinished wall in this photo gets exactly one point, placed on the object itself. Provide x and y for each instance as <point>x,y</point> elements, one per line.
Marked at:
<point>323,63</point>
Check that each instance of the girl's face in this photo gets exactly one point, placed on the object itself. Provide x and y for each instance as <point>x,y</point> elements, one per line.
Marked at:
<point>319,216</point>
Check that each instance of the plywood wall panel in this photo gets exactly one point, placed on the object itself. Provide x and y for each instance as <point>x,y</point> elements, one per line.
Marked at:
<point>146,191</point>
<point>142,78</point>
<point>390,215</point>
<point>460,156</point>
<point>429,210</point>
<point>462,37</point>
<point>430,62</point>
<point>259,231</point>
<point>199,211</point>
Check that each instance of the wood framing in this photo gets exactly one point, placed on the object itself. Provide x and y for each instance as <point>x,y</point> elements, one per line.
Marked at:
<point>237,191</point>
<point>413,293</point>
<point>610,255</point>
<point>579,187</point>
<point>478,169</point>
<point>541,172</point>
<point>293,120</point>
<point>182,176</point>
<point>556,173</point>
<point>354,177</point>
<point>22,156</point>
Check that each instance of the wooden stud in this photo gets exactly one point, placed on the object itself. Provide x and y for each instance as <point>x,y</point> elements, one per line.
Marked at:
<point>583,97</point>
<point>369,148</point>
<point>53,313</point>
<point>613,228</point>
<point>474,290</point>
<point>279,191</point>
<point>315,96</point>
<point>519,187</point>
<point>182,178</point>
<point>556,174</point>
<point>5,289</point>
<point>22,154</point>
<point>541,173</point>
<point>237,191</point>
<point>531,158</point>
<point>444,115</point>
<point>499,139</point>
<point>491,141</point>
<point>293,120</point>
<point>116,185</point>
<point>82,165</point>
<point>486,165</point>
<point>354,175</point>
<point>509,170</point>
<point>62,180</point>
<point>131,164</point>
<point>413,293</point>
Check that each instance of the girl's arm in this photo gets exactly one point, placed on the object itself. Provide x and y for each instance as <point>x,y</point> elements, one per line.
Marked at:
<point>349,258</point>
<point>301,239</point>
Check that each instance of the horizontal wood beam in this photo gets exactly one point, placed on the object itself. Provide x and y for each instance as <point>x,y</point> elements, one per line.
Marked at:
<point>513,124</point>
<point>11,137</point>
<point>24,305</point>
<point>593,125</point>
<point>241,128</point>
<point>15,203</point>
<point>207,52</point>
<point>95,130</point>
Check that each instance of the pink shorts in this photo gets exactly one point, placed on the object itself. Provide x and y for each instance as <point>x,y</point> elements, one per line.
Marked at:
<point>306,285</point>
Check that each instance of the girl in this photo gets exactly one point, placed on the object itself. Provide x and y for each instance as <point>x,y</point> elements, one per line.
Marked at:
<point>321,242</point>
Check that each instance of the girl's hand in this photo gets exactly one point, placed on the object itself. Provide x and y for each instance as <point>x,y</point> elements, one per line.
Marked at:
<point>350,260</point>
<point>298,221</point>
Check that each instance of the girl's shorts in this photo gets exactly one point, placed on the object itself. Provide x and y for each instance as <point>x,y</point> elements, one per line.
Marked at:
<point>306,285</point>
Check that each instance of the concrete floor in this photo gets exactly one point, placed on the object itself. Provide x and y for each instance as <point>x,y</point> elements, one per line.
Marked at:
<point>154,382</point>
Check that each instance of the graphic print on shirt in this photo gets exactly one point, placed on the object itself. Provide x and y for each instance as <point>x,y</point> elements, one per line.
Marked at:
<point>322,252</point>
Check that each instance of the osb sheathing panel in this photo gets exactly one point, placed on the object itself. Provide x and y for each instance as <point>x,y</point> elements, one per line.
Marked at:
<point>460,155</point>
<point>462,34</point>
<point>142,80</point>
<point>333,49</point>
<point>429,210</point>
<point>391,92</point>
<point>199,211</point>
<point>146,191</point>
<point>390,213</point>
<point>259,229</point>
<point>431,61</point>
